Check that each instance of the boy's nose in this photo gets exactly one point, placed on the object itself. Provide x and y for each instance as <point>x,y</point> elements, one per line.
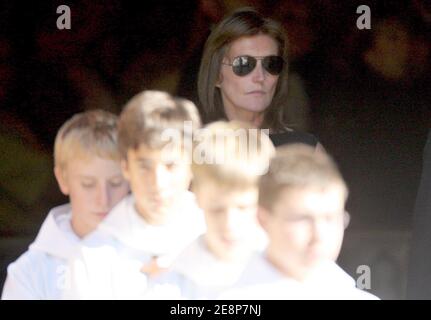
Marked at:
<point>161,177</point>
<point>317,230</point>
<point>104,196</point>
<point>232,222</point>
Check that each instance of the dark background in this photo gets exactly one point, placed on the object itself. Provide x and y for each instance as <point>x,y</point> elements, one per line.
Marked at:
<point>364,93</point>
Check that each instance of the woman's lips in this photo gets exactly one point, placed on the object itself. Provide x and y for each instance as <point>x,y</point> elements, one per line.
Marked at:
<point>256,92</point>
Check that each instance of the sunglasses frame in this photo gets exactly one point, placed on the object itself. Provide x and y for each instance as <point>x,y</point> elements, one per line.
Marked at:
<point>257,58</point>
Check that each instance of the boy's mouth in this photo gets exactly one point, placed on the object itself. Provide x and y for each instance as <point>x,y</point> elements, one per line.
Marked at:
<point>229,241</point>
<point>102,214</point>
<point>159,201</point>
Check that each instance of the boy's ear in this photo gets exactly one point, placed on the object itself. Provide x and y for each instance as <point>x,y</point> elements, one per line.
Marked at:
<point>190,187</point>
<point>262,216</point>
<point>125,169</point>
<point>195,190</point>
<point>60,175</point>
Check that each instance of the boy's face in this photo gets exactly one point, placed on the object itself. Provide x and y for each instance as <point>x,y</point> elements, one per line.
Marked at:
<point>305,227</point>
<point>231,218</point>
<point>157,181</point>
<point>94,186</point>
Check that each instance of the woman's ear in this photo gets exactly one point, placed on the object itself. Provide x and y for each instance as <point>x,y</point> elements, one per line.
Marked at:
<point>219,80</point>
<point>60,176</point>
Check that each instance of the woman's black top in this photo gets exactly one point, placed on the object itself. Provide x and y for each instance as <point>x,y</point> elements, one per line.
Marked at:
<point>290,137</point>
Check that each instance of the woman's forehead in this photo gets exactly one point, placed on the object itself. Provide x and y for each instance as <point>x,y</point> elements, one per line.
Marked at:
<point>256,45</point>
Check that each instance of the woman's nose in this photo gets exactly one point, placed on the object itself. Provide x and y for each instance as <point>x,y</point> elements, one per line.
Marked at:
<point>258,72</point>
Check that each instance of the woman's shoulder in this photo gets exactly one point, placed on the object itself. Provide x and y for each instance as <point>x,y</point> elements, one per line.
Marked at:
<point>289,136</point>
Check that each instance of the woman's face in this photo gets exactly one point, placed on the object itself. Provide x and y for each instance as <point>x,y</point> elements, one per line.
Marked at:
<point>249,95</point>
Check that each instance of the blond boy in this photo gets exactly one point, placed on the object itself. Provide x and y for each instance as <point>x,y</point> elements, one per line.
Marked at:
<point>150,227</point>
<point>87,168</point>
<point>302,209</point>
<point>228,160</point>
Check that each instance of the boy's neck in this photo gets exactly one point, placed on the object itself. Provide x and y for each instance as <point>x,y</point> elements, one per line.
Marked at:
<point>79,229</point>
<point>285,268</point>
<point>222,256</point>
<point>153,219</point>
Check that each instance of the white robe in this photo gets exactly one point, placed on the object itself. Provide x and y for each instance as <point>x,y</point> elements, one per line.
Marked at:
<point>110,262</point>
<point>262,281</point>
<point>42,271</point>
<point>197,274</point>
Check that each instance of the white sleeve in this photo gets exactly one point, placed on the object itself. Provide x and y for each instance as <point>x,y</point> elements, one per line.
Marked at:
<point>105,272</point>
<point>22,281</point>
<point>89,274</point>
<point>167,286</point>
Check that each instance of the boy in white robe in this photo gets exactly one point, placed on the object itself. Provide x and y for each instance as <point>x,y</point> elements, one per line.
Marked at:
<point>302,209</point>
<point>234,155</point>
<point>87,168</point>
<point>150,227</point>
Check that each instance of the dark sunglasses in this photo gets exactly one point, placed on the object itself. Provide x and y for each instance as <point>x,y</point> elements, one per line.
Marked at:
<point>243,65</point>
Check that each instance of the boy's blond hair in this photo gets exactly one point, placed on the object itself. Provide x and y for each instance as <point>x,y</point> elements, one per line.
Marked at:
<point>89,133</point>
<point>298,166</point>
<point>148,114</point>
<point>231,154</point>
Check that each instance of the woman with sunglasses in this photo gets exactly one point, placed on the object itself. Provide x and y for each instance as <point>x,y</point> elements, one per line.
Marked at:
<point>243,75</point>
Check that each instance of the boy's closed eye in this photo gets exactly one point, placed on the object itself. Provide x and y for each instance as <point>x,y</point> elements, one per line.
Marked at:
<point>145,164</point>
<point>221,210</point>
<point>116,182</point>
<point>217,210</point>
<point>304,218</point>
<point>171,165</point>
<point>88,183</point>
<point>298,218</point>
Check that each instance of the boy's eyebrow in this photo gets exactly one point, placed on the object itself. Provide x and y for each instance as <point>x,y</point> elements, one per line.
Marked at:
<point>86,177</point>
<point>82,176</point>
<point>120,175</point>
<point>311,214</point>
<point>92,177</point>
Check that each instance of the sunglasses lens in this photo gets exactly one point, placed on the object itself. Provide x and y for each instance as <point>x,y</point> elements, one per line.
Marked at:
<point>273,64</point>
<point>243,65</point>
